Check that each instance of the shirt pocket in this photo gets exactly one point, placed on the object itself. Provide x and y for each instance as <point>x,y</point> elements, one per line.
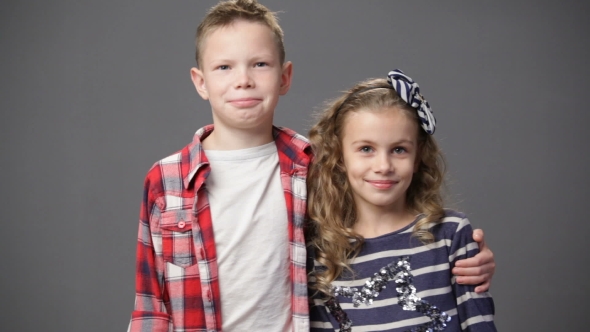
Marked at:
<point>177,238</point>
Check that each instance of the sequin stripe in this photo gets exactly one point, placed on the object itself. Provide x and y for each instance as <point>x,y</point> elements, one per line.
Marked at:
<point>398,272</point>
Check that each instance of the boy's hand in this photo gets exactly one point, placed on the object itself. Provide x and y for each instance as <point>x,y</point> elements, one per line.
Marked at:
<point>478,269</point>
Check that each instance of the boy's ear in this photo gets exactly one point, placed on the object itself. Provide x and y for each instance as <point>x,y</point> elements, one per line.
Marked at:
<point>286,76</point>
<point>199,82</point>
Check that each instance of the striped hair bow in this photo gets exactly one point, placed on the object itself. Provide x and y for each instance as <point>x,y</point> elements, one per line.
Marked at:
<point>409,91</point>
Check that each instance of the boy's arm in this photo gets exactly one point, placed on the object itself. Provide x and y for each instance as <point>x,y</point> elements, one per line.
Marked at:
<point>475,312</point>
<point>149,312</point>
<point>477,270</point>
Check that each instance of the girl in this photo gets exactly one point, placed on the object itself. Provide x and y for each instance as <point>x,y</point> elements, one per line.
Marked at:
<point>384,246</point>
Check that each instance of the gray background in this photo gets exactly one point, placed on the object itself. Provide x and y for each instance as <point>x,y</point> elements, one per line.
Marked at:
<point>94,93</point>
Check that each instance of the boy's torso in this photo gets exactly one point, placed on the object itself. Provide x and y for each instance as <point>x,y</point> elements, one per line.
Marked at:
<point>251,237</point>
<point>183,232</point>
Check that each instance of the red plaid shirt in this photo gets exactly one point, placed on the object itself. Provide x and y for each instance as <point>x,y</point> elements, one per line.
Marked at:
<point>177,285</point>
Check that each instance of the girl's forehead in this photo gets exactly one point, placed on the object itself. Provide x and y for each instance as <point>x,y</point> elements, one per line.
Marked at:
<point>376,113</point>
<point>379,122</point>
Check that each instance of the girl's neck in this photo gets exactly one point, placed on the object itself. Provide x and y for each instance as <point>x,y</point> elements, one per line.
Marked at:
<point>374,223</point>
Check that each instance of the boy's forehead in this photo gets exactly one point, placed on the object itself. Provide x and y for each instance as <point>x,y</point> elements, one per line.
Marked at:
<point>256,31</point>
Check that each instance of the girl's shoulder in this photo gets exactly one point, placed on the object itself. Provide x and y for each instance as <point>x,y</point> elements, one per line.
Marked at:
<point>453,215</point>
<point>453,221</point>
<point>450,217</point>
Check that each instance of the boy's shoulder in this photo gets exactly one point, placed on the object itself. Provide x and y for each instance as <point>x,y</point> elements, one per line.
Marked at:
<point>171,174</point>
<point>294,136</point>
<point>191,152</point>
<point>176,170</point>
<point>289,137</point>
<point>293,145</point>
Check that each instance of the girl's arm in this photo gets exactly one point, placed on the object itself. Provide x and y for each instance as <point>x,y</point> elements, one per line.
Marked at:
<point>477,270</point>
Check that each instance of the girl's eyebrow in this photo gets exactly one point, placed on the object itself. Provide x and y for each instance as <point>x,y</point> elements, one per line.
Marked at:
<point>404,140</point>
<point>362,141</point>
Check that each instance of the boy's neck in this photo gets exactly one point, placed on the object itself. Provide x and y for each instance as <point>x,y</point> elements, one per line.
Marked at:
<point>376,222</point>
<point>236,139</point>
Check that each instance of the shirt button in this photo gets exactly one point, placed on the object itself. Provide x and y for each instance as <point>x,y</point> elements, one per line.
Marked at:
<point>181,224</point>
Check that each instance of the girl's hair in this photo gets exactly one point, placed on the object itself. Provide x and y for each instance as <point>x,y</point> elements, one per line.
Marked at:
<point>331,205</point>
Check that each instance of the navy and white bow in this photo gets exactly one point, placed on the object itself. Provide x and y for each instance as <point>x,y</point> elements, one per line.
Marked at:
<point>409,91</point>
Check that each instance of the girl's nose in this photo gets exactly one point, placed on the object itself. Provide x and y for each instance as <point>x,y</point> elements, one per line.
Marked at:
<point>383,163</point>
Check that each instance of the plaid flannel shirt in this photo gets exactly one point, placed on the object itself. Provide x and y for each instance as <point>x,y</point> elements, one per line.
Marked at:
<point>177,286</point>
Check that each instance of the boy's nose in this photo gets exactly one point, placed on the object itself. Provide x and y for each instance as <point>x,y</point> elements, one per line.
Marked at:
<point>244,80</point>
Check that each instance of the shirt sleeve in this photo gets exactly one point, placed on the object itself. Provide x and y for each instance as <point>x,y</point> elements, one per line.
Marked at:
<point>475,312</point>
<point>149,312</point>
<point>319,316</point>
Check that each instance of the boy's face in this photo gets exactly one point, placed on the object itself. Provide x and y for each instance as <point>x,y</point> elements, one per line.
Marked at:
<point>241,76</point>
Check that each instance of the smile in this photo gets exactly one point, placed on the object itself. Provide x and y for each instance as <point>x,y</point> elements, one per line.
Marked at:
<point>381,184</point>
<point>245,102</point>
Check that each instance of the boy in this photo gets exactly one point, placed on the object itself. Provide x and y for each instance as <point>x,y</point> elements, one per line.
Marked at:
<point>223,217</point>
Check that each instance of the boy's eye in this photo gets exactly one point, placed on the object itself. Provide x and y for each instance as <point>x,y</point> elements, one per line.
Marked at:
<point>223,67</point>
<point>261,64</point>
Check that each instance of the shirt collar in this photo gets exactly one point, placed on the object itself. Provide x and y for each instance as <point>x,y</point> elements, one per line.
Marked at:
<point>289,143</point>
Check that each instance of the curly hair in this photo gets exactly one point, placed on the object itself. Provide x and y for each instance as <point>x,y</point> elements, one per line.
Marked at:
<point>331,204</point>
<point>226,12</point>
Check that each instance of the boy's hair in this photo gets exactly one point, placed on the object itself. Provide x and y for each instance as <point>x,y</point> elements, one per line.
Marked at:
<point>227,12</point>
<point>331,204</point>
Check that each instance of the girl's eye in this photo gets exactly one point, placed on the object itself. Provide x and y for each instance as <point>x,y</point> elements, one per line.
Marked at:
<point>366,149</point>
<point>399,150</point>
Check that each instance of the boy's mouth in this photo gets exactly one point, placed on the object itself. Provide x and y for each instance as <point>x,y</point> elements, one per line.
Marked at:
<point>245,102</point>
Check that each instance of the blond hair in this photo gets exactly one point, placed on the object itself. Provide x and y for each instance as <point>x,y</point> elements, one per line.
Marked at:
<point>227,12</point>
<point>331,204</point>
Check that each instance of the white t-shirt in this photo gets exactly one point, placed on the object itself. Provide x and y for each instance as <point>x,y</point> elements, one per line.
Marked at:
<point>250,225</point>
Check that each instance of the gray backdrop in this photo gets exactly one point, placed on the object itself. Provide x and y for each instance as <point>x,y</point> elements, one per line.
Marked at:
<point>94,93</point>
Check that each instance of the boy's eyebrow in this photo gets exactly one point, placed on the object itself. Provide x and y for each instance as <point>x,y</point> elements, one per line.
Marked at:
<point>256,57</point>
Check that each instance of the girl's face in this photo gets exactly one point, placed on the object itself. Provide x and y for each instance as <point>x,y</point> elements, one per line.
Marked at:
<point>379,149</point>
